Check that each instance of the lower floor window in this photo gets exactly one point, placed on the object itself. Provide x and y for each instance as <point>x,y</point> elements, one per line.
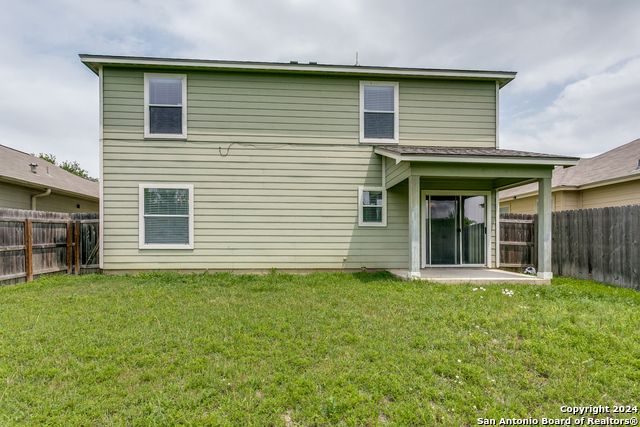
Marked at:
<point>166,216</point>
<point>372,206</point>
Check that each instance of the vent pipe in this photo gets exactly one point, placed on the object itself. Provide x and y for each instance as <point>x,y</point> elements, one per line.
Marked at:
<point>35,196</point>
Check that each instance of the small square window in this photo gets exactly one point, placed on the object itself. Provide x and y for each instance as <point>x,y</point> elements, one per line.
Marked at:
<point>372,206</point>
<point>165,105</point>
<point>379,112</point>
<point>166,216</point>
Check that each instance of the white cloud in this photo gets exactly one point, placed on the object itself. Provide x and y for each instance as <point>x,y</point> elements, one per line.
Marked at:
<point>590,116</point>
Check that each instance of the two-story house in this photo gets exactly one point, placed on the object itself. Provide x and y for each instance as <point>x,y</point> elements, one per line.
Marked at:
<point>218,165</point>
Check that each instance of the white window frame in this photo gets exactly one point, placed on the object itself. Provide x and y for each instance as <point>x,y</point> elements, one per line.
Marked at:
<point>147,129</point>
<point>361,221</point>
<point>487,221</point>
<point>141,223</point>
<point>396,109</point>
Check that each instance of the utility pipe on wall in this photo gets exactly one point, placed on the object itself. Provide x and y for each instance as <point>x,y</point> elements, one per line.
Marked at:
<point>33,198</point>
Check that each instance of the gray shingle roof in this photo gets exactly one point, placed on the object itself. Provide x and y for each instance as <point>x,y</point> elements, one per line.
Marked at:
<point>94,62</point>
<point>14,167</point>
<point>618,163</point>
<point>489,152</point>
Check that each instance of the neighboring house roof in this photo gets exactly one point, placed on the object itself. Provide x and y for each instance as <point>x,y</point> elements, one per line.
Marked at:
<point>95,61</point>
<point>14,168</point>
<point>482,154</point>
<point>618,164</point>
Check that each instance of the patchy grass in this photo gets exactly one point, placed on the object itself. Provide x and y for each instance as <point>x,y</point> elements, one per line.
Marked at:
<point>322,349</point>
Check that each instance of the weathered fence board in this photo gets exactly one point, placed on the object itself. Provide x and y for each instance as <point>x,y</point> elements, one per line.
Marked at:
<point>33,243</point>
<point>593,244</point>
<point>517,241</point>
<point>28,250</point>
<point>598,244</point>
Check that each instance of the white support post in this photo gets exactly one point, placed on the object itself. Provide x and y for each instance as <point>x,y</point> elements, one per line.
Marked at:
<point>414,227</point>
<point>544,228</point>
<point>496,223</point>
<point>492,225</point>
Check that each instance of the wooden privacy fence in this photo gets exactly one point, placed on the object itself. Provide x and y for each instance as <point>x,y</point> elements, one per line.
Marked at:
<point>598,244</point>
<point>593,244</point>
<point>518,241</point>
<point>33,243</point>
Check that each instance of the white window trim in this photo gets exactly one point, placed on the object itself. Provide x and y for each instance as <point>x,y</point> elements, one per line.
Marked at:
<point>141,227</point>
<point>361,221</point>
<point>147,133</point>
<point>396,109</point>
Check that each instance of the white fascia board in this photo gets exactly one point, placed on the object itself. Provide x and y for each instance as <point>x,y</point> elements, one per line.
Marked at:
<point>94,61</point>
<point>475,159</point>
<point>533,193</point>
<point>516,184</point>
<point>54,189</point>
<point>611,181</point>
<point>519,196</point>
<point>488,159</point>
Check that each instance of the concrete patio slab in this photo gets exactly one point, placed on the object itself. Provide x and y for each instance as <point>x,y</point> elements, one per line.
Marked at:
<point>475,276</point>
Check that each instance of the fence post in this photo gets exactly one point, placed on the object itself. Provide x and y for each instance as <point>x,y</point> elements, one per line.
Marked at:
<point>69,246</point>
<point>534,239</point>
<point>28,250</point>
<point>77,252</point>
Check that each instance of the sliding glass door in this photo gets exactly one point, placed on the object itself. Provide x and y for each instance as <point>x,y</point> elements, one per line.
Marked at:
<point>454,230</point>
<point>444,230</point>
<point>473,229</point>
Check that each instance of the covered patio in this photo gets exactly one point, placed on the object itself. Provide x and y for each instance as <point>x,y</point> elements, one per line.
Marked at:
<point>454,233</point>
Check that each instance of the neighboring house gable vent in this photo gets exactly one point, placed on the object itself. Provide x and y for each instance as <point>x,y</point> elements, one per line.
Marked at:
<point>33,167</point>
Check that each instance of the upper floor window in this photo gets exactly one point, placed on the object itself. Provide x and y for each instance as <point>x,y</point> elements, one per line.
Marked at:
<point>165,105</point>
<point>379,112</point>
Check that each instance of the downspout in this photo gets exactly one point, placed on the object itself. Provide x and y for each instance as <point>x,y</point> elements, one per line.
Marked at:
<point>33,198</point>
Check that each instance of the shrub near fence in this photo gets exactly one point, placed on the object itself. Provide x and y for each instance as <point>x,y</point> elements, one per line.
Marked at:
<point>598,244</point>
<point>33,243</point>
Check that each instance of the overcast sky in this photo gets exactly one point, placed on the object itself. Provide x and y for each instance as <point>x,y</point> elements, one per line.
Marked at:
<point>578,62</point>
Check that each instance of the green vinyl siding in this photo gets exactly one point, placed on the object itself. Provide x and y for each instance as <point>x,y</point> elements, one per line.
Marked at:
<point>237,107</point>
<point>250,108</point>
<point>276,163</point>
<point>15,197</point>
<point>396,172</point>
<point>447,113</point>
<point>61,203</point>
<point>254,207</point>
<point>18,197</point>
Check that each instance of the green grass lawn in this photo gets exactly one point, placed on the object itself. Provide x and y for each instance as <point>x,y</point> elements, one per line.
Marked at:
<point>322,349</point>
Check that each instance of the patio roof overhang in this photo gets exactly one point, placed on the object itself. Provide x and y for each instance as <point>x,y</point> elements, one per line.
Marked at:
<point>473,155</point>
<point>493,168</point>
<point>478,170</point>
